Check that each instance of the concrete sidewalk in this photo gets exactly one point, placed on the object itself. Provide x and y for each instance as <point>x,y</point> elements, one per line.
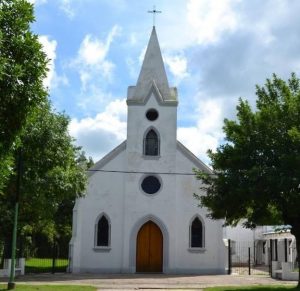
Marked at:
<point>149,282</point>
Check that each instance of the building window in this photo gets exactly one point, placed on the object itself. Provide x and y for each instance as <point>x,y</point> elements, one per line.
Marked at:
<point>151,185</point>
<point>103,231</point>
<point>196,234</point>
<point>151,144</point>
<point>152,114</point>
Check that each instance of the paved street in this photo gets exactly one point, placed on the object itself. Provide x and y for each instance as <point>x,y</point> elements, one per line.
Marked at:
<point>148,282</point>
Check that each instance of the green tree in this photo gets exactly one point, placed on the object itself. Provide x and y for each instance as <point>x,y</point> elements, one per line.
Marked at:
<point>52,178</point>
<point>256,172</point>
<point>23,66</point>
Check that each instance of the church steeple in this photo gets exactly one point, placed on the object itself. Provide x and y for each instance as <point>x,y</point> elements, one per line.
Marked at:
<point>152,114</point>
<point>152,76</point>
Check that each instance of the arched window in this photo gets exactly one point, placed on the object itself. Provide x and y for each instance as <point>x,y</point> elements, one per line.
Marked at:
<point>196,234</point>
<point>102,232</point>
<point>151,144</point>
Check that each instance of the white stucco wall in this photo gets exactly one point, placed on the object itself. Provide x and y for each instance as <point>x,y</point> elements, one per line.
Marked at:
<point>239,234</point>
<point>212,258</point>
<point>105,195</point>
<point>121,198</point>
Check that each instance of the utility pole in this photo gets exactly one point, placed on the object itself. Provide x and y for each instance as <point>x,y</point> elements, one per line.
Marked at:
<point>11,283</point>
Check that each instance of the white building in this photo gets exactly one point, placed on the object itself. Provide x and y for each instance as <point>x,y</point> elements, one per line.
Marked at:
<point>139,213</point>
<point>267,243</point>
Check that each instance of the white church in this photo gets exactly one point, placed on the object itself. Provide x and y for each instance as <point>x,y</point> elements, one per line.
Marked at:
<point>139,213</point>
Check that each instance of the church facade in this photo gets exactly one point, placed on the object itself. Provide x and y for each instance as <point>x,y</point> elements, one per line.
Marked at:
<point>139,213</point>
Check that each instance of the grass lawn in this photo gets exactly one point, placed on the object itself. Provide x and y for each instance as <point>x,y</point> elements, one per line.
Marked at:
<point>49,288</point>
<point>44,265</point>
<point>254,288</point>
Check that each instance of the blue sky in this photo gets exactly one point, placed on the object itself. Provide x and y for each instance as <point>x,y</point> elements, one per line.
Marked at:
<point>215,51</point>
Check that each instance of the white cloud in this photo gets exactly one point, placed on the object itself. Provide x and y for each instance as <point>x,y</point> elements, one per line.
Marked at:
<point>197,22</point>
<point>231,66</point>
<point>102,133</point>
<point>94,95</point>
<point>210,18</point>
<point>132,68</point>
<point>53,79</point>
<point>37,2</point>
<point>49,48</point>
<point>132,39</point>
<point>59,80</point>
<point>66,7</point>
<point>91,61</point>
<point>93,51</point>
<point>207,134</point>
<point>177,65</point>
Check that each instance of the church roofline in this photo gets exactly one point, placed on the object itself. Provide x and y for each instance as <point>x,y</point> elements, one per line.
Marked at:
<point>153,89</point>
<point>187,153</point>
<point>102,162</point>
<point>121,147</point>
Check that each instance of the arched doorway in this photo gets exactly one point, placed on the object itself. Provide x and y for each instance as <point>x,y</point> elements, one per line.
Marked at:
<point>149,248</point>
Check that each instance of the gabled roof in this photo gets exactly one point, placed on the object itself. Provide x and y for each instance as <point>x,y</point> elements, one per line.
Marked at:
<point>120,148</point>
<point>111,155</point>
<point>153,70</point>
<point>197,162</point>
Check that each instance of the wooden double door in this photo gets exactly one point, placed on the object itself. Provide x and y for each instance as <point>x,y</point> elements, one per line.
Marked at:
<point>149,249</point>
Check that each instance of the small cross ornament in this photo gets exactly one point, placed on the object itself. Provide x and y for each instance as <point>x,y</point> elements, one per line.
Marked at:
<point>154,12</point>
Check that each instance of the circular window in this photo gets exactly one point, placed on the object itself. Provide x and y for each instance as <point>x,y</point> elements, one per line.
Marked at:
<point>151,185</point>
<point>152,114</point>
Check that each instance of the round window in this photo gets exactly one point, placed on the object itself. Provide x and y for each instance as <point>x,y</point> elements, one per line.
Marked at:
<point>151,185</point>
<point>152,114</point>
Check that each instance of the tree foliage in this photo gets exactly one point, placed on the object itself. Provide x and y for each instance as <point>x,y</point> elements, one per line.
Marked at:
<point>53,168</point>
<point>256,172</point>
<point>23,66</point>
<point>53,176</point>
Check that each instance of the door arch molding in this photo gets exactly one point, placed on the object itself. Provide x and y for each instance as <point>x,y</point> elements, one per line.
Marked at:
<point>133,236</point>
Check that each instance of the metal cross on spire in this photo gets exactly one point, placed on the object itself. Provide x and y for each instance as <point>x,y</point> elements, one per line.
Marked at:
<point>154,12</point>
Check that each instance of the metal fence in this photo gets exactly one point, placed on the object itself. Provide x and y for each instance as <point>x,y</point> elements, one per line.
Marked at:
<point>248,258</point>
<point>46,265</point>
<point>42,254</point>
<point>52,261</point>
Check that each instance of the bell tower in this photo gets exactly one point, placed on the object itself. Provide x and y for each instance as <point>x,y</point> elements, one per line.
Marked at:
<point>152,111</point>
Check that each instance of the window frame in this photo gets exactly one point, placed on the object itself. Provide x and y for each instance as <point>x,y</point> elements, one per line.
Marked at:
<point>145,143</point>
<point>152,110</point>
<point>96,246</point>
<point>197,249</point>
<point>142,178</point>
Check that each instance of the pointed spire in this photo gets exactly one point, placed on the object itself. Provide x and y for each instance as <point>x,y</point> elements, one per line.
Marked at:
<point>152,71</point>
